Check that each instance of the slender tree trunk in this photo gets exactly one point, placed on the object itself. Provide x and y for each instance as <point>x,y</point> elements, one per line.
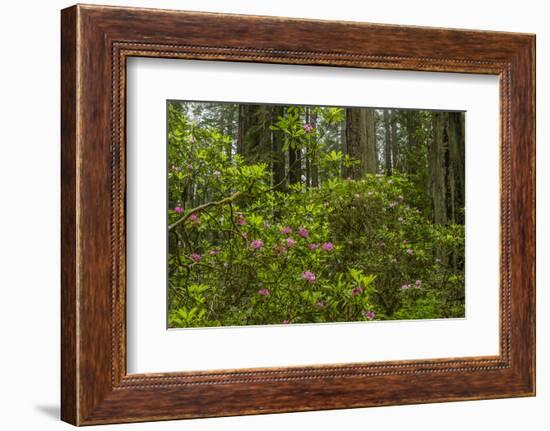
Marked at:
<point>277,154</point>
<point>307,150</point>
<point>371,157</point>
<point>244,118</point>
<point>343,141</point>
<point>294,165</point>
<point>412,140</point>
<point>394,142</point>
<point>388,142</point>
<point>436,160</point>
<point>314,163</point>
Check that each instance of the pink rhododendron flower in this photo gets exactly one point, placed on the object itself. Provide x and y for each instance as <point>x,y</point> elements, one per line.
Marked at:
<point>263,292</point>
<point>195,257</point>
<point>193,218</point>
<point>290,242</point>
<point>357,291</point>
<point>240,219</point>
<point>308,128</point>
<point>320,304</point>
<point>409,251</point>
<point>313,247</point>
<point>418,284</point>
<point>303,232</point>
<point>369,314</point>
<point>257,244</point>
<point>214,251</point>
<point>178,210</point>
<point>406,286</point>
<point>309,276</point>
<point>286,230</point>
<point>328,246</point>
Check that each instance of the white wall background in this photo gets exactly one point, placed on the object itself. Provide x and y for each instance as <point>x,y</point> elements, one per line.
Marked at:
<point>29,215</point>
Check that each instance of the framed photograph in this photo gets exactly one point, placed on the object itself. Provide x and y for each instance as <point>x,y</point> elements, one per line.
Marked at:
<point>264,215</point>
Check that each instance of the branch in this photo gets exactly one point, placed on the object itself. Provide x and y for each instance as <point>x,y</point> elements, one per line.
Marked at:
<point>205,206</point>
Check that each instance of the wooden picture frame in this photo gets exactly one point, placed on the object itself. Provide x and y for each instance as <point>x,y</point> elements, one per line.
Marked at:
<point>95,43</point>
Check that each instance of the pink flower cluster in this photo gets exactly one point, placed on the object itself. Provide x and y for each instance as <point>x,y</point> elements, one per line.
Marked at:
<point>303,232</point>
<point>257,244</point>
<point>308,128</point>
<point>194,219</point>
<point>240,220</point>
<point>286,230</point>
<point>178,210</point>
<point>357,291</point>
<point>290,242</point>
<point>263,292</point>
<point>309,276</point>
<point>328,246</point>
<point>369,314</point>
<point>195,257</point>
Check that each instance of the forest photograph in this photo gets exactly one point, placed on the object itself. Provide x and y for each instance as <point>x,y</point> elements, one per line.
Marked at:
<point>293,214</point>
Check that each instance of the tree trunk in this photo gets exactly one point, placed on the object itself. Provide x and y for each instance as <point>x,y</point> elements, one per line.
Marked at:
<point>394,141</point>
<point>294,165</point>
<point>387,142</point>
<point>277,154</point>
<point>343,141</point>
<point>360,141</point>
<point>356,141</point>
<point>314,164</point>
<point>412,141</point>
<point>254,141</point>
<point>307,152</point>
<point>455,128</point>
<point>437,172</point>
<point>370,159</point>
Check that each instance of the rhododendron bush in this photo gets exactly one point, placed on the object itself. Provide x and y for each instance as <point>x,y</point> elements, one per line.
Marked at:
<point>334,243</point>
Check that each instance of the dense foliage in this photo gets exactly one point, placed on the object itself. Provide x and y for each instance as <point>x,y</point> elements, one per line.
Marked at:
<point>244,250</point>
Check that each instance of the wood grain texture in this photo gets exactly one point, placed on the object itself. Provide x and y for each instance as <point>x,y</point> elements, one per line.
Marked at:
<point>96,41</point>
